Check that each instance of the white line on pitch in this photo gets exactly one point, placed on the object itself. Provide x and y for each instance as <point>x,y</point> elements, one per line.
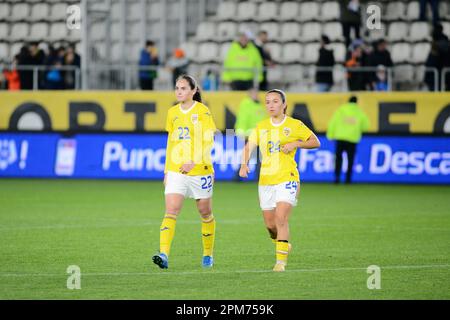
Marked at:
<point>212,272</point>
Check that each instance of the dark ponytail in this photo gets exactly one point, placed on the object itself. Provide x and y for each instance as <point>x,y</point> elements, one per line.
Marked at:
<point>193,85</point>
<point>282,95</point>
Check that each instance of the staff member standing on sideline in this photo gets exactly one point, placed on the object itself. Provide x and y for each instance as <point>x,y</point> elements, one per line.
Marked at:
<point>346,127</point>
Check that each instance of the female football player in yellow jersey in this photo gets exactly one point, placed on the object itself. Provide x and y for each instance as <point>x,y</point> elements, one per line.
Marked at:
<point>278,138</point>
<point>188,171</point>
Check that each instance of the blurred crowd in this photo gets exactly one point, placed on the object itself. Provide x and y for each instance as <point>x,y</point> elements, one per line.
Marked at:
<point>56,68</point>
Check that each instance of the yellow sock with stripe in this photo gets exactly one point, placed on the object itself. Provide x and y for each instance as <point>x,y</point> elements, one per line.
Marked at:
<point>282,251</point>
<point>208,235</point>
<point>166,233</point>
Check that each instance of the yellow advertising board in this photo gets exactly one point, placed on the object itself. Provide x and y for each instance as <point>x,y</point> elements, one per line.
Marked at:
<point>138,111</point>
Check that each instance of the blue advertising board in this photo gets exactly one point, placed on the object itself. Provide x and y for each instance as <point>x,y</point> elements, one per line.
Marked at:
<point>380,159</point>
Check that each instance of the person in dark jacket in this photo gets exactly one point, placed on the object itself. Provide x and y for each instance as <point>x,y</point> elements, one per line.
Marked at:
<point>260,42</point>
<point>324,78</point>
<point>149,57</point>
<point>350,19</point>
<point>379,57</point>
<point>26,76</point>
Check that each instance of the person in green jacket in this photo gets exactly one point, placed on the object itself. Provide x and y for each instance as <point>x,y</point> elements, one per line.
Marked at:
<point>251,111</point>
<point>346,127</point>
<point>242,55</point>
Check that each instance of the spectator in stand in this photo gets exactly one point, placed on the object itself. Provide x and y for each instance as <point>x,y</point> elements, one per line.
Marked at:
<point>434,9</point>
<point>260,42</point>
<point>381,83</point>
<point>72,59</point>
<point>38,59</point>
<point>211,81</point>
<point>177,64</point>
<point>443,48</point>
<point>25,75</point>
<point>149,58</point>
<point>12,75</point>
<point>350,19</point>
<point>242,64</point>
<point>355,79</point>
<point>379,57</point>
<point>433,61</point>
<point>324,78</point>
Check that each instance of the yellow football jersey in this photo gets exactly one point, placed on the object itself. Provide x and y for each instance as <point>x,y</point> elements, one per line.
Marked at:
<point>190,138</point>
<point>277,166</point>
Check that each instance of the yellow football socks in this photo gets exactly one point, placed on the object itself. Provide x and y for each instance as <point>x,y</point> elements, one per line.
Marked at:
<point>282,251</point>
<point>208,235</point>
<point>167,232</point>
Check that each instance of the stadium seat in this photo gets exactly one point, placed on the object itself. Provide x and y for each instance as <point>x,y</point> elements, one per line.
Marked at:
<point>413,11</point>
<point>206,31</point>
<point>334,31</point>
<point>339,52</point>
<point>275,75</point>
<point>311,31</point>
<point>74,35</point>
<point>58,12</point>
<point>395,11</point>
<point>398,31</point>
<point>4,30</point>
<point>208,52</point>
<point>290,31</point>
<point>330,11</point>
<point>19,31</point>
<point>403,73</point>
<point>246,11</point>
<point>291,53</point>
<point>116,51</point>
<point>134,11</point>
<point>420,52</point>
<point>115,31</point>
<point>272,28</point>
<point>226,11</point>
<point>4,52</point>
<point>227,31</point>
<point>309,11</point>
<point>190,49</point>
<point>115,11</point>
<point>340,77</point>
<point>289,10</point>
<point>419,31</point>
<point>14,49</point>
<point>58,31</point>
<point>20,12</point>
<point>224,50</point>
<point>98,31</point>
<point>401,53</point>
<point>275,50</point>
<point>134,31</point>
<point>252,27</point>
<point>293,73</point>
<point>38,31</point>
<point>444,10</point>
<point>446,26</point>
<point>377,34</point>
<point>154,10</point>
<point>39,11</point>
<point>5,9</point>
<point>268,11</point>
<point>311,53</point>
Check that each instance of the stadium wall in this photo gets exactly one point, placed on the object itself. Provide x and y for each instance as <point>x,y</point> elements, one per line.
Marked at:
<point>117,135</point>
<point>114,111</point>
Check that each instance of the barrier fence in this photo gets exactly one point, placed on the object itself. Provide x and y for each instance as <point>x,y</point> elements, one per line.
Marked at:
<point>126,77</point>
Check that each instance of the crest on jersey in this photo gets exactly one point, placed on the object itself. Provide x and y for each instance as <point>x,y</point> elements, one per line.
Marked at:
<point>287,131</point>
<point>194,118</point>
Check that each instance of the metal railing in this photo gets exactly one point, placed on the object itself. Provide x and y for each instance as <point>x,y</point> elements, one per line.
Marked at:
<point>126,77</point>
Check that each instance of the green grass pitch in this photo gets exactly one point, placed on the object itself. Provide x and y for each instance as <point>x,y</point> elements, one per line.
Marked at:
<point>110,229</point>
